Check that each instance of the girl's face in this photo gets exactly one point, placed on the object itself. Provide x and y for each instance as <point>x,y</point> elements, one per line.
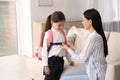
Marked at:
<point>58,25</point>
<point>86,23</point>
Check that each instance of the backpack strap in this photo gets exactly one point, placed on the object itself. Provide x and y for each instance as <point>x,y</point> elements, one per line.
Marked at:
<point>64,35</point>
<point>50,39</point>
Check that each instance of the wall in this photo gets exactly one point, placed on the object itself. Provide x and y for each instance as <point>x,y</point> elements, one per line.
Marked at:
<point>83,4</point>
<point>71,8</point>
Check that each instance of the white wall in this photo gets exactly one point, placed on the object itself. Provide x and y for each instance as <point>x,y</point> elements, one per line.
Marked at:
<point>83,4</point>
<point>71,8</point>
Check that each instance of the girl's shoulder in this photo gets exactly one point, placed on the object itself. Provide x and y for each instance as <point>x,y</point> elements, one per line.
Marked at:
<point>46,34</point>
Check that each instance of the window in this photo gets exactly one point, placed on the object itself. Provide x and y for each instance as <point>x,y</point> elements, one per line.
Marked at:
<point>8,39</point>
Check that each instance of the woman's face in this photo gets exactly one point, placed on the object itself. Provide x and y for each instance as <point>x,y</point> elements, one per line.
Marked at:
<point>58,25</point>
<point>86,23</point>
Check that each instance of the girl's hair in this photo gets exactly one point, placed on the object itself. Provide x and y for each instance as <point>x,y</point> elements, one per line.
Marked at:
<point>57,16</point>
<point>47,27</point>
<point>94,16</point>
<point>48,23</point>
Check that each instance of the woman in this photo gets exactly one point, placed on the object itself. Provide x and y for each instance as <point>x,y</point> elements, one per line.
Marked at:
<point>95,49</point>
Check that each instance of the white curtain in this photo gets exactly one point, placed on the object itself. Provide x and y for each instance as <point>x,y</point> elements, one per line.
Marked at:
<point>110,13</point>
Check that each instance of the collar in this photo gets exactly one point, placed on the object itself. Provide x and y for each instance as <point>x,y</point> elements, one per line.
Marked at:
<point>92,33</point>
<point>55,29</point>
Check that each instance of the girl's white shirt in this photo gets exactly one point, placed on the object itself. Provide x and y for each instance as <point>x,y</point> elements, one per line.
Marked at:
<point>55,50</point>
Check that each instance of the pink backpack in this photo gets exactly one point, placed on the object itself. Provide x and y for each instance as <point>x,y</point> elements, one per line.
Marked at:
<point>38,52</point>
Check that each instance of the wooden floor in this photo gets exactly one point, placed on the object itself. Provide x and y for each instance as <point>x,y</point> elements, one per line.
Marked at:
<point>18,67</point>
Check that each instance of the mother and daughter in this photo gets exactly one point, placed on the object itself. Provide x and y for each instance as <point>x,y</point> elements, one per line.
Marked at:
<point>93,54</point>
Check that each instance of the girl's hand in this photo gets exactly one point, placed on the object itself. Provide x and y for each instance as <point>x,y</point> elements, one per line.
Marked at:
<point>47,70</point>
<point>71,63</point>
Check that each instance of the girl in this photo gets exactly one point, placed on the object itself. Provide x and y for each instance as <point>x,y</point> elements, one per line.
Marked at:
<point>95,50</point>
<point>53,61</point>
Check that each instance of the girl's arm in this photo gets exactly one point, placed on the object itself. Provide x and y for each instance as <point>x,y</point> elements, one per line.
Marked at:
<point>45,54</point>
<point>44,50</point>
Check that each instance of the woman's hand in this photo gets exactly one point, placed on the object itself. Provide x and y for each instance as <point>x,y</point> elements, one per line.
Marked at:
<point>71,46</point>
<point>65,46</point>
<point>47,70</point>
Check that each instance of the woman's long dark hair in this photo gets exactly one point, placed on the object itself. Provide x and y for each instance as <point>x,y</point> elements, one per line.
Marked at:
<point>94,16</point>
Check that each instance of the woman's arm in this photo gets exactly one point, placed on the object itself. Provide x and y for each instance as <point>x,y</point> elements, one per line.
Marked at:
<point>84,54</point>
